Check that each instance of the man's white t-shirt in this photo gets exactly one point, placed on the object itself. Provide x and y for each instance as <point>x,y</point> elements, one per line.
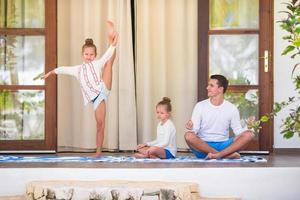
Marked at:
<point>211,123</point>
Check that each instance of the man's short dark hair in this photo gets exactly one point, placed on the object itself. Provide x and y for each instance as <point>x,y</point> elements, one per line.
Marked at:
<point>222,81</point>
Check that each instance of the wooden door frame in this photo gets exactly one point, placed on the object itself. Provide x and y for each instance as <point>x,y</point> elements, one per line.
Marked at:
<point>50,129</point>
<point>51,83</point>
<point>265,78</point>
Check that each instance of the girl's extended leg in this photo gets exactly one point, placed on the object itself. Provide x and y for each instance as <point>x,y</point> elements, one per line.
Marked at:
<point>100,120</point>
<point>107,72</point>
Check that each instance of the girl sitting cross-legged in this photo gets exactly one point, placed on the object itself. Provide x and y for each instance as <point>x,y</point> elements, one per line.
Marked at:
<point>164,146</point>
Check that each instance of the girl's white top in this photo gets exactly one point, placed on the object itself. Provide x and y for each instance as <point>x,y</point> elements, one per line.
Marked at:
<point>89,75</point>
<point>166,137</point>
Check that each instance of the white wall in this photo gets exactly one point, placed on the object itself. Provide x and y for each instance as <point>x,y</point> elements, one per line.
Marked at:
<point>283,86</point>
<point>246,183</point>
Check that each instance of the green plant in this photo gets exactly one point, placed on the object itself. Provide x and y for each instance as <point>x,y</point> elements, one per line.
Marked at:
<point>291,124</point>
<point>292,25</point>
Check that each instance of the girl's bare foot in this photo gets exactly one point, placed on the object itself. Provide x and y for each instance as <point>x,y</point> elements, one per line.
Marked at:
<point>111,29</point>
<point>110,26</point>
<point>139,155</point>
<point>97,154</point>
<point>211,156</point>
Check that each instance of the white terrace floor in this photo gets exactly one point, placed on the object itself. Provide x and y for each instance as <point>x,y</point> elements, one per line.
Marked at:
<point>276,179</point>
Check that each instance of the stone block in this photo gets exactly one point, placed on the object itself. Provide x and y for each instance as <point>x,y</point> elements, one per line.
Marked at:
<point>110,190</point>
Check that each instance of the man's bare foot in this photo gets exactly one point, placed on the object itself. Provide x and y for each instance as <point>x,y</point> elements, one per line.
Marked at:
<point>139,155</point>
<point>211,156</point>
<point>234,155</point>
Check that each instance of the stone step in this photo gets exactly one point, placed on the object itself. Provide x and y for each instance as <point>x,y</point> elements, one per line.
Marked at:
<point>195,196</point>
<point>220,198</point>
<point>142,190</point>
<point>122,189</point>
<point>19,197</point>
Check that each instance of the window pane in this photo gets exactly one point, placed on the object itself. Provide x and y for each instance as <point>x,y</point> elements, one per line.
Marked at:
<point>2,14</point>
<point>22,14</point>
<point>234,14</point>
<point>236,57</point>
<point>246,102</point>
<point>22,115</point>
<point>21,59</point>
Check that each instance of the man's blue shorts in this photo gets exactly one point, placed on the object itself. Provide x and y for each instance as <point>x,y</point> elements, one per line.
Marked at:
<point>219,146</point>
<point>168,154</point>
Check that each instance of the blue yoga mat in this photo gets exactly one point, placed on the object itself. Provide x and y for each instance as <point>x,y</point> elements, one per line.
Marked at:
<point>118,159</point>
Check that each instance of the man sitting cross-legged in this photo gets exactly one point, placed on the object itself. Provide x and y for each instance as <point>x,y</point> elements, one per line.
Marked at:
<point>208,129</point>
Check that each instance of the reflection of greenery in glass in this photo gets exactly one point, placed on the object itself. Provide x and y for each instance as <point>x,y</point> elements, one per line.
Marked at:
<point>236,57</point>
<point>226,14</point>
<point>22,115</point>
<point>247,104</point>
<point>21,59</point>
<point>240,79</point>
<point>6,97</point>
<point>8,62</point>
<point>35,13</point>
<point>2,13</point>
<point>22,13</point>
